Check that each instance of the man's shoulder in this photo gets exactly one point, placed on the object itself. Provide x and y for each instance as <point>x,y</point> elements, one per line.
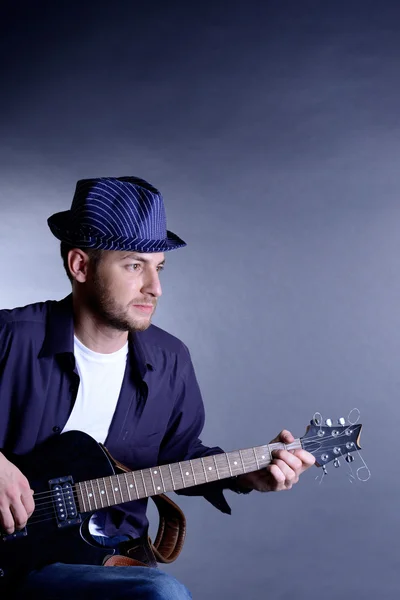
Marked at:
<point>158,338</point>
<point>26,316</point>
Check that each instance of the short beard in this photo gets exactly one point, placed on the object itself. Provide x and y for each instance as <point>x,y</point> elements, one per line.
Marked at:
<point>113,315</point>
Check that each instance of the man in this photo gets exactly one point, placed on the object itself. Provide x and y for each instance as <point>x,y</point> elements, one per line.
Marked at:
<point>93,363</point>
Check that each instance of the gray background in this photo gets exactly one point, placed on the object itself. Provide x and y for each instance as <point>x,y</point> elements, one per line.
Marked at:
<point>272,128</point>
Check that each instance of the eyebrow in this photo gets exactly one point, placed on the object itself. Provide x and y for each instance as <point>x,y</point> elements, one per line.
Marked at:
<point>139,258</point>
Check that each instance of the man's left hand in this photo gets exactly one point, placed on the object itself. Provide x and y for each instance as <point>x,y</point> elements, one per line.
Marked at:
<point>283,471</point>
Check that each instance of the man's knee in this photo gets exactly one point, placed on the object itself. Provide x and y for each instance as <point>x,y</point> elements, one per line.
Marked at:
<point>167,587</point>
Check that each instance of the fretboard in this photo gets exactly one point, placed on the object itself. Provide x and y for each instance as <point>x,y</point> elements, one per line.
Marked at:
<point>117,489</point>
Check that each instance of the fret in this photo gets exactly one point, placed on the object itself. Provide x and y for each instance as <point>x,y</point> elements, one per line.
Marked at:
<point>229,465</point>
<point>162,484</point>
<point>208,465</point>
<point>144,485</point>
<point>91,492</point>
<point>247,458</point>
<point>216,467</point>
<point>105,487</point>
<point>241,458</point>
<point>275,446</point>
<point>169,476</point>
<point>255,456</point>
<point>127,487</point>
<point>172,477</point>
<point>183,479</point>
<point>264,453</point>
<point>156,486</point>
<point>121,482</point>
<point>202,464</point>
<point>188,471</point>
<point>135,484</point>
<point>152,480</point>
<point>112,489</point>
<point>101,493</point>
<point>76,492</point>
<point>235,458</point>
<point>89,495</point>
<point>178,475</point>
<point>148,477</point>
<point>162,481</point>
<point>83,498</point>
<point>133,495</point>
<point>114,481</point>
<point>222,466</point>
<point>194,477</point>
<point>96,493</point>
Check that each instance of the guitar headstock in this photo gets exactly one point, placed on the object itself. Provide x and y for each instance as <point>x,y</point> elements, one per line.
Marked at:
<point>331,442</point>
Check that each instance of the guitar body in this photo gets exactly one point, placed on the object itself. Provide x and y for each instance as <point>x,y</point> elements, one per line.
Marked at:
<point>72,454</point>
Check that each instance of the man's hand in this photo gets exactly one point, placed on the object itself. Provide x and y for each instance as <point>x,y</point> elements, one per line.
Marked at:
<point>16,497</point>
<point>284,470</point>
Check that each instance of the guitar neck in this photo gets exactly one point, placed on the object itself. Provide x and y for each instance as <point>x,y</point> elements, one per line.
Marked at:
<point>117,489</point>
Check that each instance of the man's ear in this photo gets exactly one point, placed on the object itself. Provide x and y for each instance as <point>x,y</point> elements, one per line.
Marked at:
<point>78,262</point>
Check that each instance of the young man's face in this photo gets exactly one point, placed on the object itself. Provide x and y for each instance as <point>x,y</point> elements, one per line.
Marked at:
<point>124,288</point>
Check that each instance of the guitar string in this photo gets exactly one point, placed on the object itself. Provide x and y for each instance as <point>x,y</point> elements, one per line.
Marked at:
<point>53,517</point>
<point>41,497</point>
<point>46,495</point>
<point>42,510</point>
<point>43,494</point>
<point>49,513</point>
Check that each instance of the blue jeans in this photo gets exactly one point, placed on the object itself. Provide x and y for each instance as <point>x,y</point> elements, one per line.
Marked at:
<point>86,582</point>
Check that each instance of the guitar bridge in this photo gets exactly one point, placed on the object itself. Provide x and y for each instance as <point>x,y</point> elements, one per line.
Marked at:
<point>7,537</point>
<point>64,501</point>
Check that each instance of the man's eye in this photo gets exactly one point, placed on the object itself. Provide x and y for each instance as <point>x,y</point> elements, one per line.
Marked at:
<point>134,266</point>
<point>160,268</point>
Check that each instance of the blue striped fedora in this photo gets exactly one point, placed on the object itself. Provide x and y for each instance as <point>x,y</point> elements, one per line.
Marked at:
<point>115,213</point>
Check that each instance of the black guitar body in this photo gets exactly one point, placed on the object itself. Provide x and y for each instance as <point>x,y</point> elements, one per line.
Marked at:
<point>72,455</point>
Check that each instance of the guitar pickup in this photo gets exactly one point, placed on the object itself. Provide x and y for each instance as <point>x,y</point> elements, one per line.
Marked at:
<point>64,501</point>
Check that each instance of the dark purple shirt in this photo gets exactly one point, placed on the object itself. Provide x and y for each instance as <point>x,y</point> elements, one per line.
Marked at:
<point>159,414</point>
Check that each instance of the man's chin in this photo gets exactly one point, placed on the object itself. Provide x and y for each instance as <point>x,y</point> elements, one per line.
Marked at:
<point>141,324</point>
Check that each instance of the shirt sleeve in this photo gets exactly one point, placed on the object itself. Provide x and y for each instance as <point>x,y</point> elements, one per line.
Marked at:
<point>4,343</point>
<point>182,442</point>
<point>5,396</point>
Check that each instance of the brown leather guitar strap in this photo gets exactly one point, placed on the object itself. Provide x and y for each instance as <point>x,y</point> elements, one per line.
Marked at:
<point>169,539</point>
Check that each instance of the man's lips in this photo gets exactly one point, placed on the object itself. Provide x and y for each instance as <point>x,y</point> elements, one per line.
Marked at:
<point>146,308</point>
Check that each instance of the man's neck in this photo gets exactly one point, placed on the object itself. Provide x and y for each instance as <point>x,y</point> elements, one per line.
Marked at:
<point>94,334</point>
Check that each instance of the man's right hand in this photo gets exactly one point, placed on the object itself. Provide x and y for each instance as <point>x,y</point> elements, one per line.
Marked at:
<point>16,497</point>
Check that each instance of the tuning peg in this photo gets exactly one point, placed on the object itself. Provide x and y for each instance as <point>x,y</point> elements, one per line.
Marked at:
<point>328,422</point>
<point>336,463</point>
<point>325,472</point>
<point>342,421</point>
<point>349,458</point>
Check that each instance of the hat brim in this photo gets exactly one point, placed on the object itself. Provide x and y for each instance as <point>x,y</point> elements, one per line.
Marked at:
<point>58,224</point>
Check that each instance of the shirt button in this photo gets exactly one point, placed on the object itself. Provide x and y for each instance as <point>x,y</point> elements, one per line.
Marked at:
<point>56,429</point>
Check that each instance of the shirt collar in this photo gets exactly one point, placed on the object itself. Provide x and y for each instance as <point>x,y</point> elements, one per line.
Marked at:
<point>141,354</point>
<point>59,337</point>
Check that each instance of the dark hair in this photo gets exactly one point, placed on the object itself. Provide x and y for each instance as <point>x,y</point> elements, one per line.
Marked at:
<point>93,254</point>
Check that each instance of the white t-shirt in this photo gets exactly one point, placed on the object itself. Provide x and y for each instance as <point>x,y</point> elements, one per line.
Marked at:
<point>101,377</point>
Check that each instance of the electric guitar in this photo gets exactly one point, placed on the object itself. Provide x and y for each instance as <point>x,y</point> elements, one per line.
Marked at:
<point>73,476</point>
